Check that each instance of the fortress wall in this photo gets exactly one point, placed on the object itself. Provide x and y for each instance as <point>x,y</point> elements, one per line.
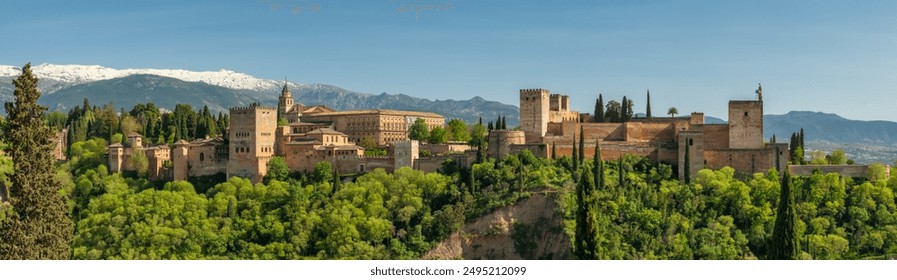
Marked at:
<point>609,150</point>
<point>539,150</point>
<point>649,132</point>
<point>744,160</point>
<point>716,136</point>
<point>843,170</point>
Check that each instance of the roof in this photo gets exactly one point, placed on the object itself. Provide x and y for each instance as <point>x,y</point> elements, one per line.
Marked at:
<point>325,131</point>
<point>134,134</point>
<point>207,141</point>
<point>381,112</point>
<point>340,147</point>
<point>116,145</point>
<point>181,142</point>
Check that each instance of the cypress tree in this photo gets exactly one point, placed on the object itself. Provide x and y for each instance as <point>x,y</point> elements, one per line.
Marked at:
<point>622,173</point>
<point>687,169</point>
<point>582,146</point>
<point>480,121</point>
<point>38,226</point>
<point>504,123</point>
<point>586,223</point>
<point>553,151</point>
<point>480,156</point>
<point>573,155</point>
<point>784,245</point>
<point>624,110</point>
<point>648,107</point>
<point>802,138</point>
<point>490,127</point>
<point>598,167</point>
<point>599,109</point>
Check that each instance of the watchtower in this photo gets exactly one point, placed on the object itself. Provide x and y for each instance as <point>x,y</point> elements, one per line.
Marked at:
<point>251,135</point>
<point>534,113</point>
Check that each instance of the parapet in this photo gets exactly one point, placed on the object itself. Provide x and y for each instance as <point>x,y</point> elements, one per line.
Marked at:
<point>250,109</point>
<point>533,92</point>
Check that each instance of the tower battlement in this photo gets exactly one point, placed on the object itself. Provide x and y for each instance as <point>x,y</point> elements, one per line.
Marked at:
<point>250,109</point>
<point>533,92</point>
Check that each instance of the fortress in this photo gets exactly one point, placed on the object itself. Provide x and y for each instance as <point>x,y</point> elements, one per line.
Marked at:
<point>311,135</point>
<point>546,121</point>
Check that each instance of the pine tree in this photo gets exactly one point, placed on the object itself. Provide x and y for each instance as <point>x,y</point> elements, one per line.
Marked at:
<point>687,169</point>
<point>648,108</point>
<point>785,244</point>
<point>599,109</point>
<point>38,226</point>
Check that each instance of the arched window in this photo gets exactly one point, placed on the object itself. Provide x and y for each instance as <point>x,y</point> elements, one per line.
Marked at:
<point>202,156</point>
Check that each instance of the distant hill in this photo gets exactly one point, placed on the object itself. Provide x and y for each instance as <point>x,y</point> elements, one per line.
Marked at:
<point>165,92</point>
<point>830,127</point>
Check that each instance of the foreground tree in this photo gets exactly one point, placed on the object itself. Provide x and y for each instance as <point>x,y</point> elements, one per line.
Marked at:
<point>38,226</point>
<point>419,131</point>
<point>784,245</point>
<point>672,112</point>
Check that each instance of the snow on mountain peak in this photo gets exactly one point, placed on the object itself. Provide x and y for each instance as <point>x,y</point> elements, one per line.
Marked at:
<point>79,74</point>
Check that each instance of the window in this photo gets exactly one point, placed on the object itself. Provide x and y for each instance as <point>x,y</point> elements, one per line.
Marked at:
<point>202,156</point>
<point>691,142</point>
<point>745,113</point>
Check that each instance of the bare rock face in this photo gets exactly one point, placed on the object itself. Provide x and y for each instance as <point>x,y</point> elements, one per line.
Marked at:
<point>531,229</point>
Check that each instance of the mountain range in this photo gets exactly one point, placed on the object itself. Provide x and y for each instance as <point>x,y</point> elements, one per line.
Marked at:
<point>65,86</point>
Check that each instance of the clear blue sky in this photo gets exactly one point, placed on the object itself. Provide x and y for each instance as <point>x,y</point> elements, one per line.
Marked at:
<point>832,56</point>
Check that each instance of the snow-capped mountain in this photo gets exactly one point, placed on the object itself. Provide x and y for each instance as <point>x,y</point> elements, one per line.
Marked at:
<point>71,75</point>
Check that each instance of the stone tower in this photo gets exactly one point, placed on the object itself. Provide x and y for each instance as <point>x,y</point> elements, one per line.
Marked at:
<point>252,136</point>
<point>179,160</point>
<point>746,124</point>
<point>286,99</point>
<point>534,108</point>
<point>116,157</point>
<point>405,153</point>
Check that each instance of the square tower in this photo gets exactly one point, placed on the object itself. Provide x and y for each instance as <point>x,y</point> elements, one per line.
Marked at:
<point>251,135</point>
<point>534,108</point>
<point>745,124</point>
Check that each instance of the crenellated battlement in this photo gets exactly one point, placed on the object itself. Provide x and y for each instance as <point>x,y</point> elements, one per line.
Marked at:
<point>534,91</point>
<point>250,109</point>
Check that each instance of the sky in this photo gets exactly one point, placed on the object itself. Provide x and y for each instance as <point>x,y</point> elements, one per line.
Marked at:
<point>830,56</point>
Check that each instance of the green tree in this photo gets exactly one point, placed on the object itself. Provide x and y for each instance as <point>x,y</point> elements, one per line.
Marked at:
<point>784,245</point>
<point>478,137</point>
<point>648,107</point>
<point>368,143</point>
<point>613,112</point>
<point>38,226</point>
<point>599,109</point>
<point>277,169</point>
<point>687,162</point>
<point>838,157</point>
<point>582,145</point>
<point>672,112</point>
<point>438,135</point>
<point>419,130</point>
<point>457,130</point>
<point>139,162</point>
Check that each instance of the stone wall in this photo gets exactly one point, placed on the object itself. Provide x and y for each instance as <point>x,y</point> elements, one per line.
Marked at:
<point>649,132</point>
<point>716,136</point>
<point>500,142</point>
<point>743,160</point>
<point>843,170</point>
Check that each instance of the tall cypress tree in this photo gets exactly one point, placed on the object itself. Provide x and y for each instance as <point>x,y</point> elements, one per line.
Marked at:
<point>573,155</point>
<point>586,222</point>
<point>785,244</point>
<point>599,109</point>
<point>802,138</point>
<point>38,227</point>
<point>622,174</point>
<point>687,169</point>
<point>623,109</point>
<point>553,151</point>
<point>582,146</point>
<point>598,167</point>
<point>648,108</point>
